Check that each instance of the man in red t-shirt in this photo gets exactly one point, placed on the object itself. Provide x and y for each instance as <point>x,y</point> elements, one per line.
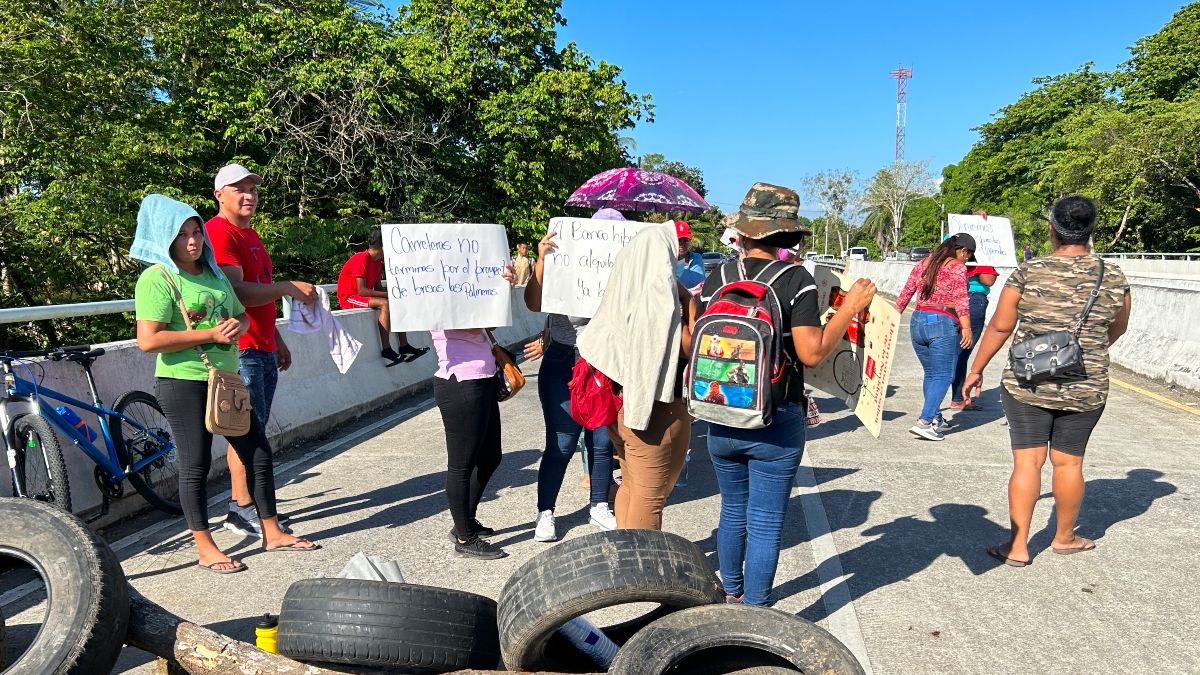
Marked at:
<point>261,351</point>
<point>358,287</point>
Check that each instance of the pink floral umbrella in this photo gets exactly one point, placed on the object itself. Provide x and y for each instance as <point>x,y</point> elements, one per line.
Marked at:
<point>631,189</point>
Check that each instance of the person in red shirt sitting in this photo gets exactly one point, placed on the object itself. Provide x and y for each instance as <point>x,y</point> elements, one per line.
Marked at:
<point>359,287</point>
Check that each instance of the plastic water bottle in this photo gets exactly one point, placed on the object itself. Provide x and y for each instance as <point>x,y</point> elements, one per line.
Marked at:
<point>74,420</point>
<point>590,640</point>
<point>266,632</point>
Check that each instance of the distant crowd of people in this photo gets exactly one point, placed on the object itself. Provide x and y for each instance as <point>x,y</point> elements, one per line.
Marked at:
<point>207,301</point>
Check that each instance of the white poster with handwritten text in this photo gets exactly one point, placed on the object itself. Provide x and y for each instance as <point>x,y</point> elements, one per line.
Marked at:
<point>993,235</point>
<point>443,276</point>
<point>576,273</point>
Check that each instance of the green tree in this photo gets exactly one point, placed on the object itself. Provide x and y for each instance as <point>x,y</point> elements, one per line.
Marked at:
<point>691,175</point>
<point>893,188</point>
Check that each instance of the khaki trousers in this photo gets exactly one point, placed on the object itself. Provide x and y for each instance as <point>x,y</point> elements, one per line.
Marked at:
<point>650,463</point>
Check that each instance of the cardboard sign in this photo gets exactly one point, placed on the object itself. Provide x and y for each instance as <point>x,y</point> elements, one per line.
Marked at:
<point>993,235</point>
<point>859,368</point>
<point>576,273</point>
<point>444,276</point>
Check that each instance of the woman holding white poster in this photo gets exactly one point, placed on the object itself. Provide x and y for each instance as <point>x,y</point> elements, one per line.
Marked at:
<point>557,348</point>
<point>466,391</point>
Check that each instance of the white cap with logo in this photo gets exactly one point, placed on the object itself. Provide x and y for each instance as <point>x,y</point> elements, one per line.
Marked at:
<point>232,173</point>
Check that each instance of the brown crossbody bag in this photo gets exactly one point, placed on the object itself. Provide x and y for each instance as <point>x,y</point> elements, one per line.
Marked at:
<point>227,409</point>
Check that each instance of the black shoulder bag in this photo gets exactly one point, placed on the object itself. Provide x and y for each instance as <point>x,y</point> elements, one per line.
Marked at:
<point>1039,358</point>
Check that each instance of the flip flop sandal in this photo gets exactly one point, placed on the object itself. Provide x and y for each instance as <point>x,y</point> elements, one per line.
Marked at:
<point>413,353</point>
<point>1090,546</point>
<point>294,548</point>
<point>995,553</point>
<point>239,567</point>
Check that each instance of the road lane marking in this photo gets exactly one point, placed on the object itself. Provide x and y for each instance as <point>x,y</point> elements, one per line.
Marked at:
<point>843,622</point>
<point>1151,395</point>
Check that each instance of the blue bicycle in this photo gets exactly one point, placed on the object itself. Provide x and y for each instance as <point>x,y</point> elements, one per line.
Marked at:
<point>136,436</point>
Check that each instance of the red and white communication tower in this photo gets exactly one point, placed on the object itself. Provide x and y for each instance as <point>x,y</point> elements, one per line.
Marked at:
<point>901,76</point>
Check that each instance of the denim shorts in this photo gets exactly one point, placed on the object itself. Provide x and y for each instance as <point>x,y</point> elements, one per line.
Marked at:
<point>260,372</point>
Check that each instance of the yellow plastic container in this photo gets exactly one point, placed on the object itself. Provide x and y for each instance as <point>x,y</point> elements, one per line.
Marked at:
<point>265,634</point>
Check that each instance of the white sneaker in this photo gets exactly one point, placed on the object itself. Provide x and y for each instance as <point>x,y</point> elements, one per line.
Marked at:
<point>544,530</point>
<point>602,517</point>
<point>927,431</point>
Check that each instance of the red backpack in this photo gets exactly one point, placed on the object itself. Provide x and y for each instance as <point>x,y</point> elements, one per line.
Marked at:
<point>594,402</point>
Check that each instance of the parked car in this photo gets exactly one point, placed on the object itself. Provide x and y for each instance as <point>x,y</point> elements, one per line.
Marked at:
<point>897,255</point>
<point>918,253</point>
<point>858,253</point>
<point>713,260</point>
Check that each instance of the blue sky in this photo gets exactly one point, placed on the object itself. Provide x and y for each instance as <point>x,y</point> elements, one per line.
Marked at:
<point>776,90</point>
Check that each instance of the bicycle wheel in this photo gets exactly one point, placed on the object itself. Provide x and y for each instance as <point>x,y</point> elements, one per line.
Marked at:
<point>158,481</point>
<point>40,466</point>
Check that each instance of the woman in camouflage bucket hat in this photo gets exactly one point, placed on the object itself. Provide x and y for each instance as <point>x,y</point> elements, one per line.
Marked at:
<point>748,538</point>
<point>1055,418</point>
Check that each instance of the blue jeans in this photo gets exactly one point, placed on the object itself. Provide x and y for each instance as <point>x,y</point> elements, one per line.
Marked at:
<point>562,433</point>
<point>260,372</point>
<point>979,303</point>
<point>755,469</point>
<point>935,338</point>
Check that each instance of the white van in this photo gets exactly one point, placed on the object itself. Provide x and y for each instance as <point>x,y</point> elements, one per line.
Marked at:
<point>857,253</point>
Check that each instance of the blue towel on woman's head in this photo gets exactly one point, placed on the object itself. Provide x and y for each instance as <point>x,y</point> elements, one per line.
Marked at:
<point>158,222</point>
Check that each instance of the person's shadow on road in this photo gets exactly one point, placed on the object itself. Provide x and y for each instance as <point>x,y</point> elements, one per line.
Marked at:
<point>905,547</point>
<point>1109,501</point>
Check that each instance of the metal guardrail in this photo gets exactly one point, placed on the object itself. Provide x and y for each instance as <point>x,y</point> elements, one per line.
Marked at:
<point>1153,256</point>
<point>71,311</point>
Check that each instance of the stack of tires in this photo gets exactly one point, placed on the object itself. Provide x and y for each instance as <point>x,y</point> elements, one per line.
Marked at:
<point>689,630</point>
<point>87,598</point>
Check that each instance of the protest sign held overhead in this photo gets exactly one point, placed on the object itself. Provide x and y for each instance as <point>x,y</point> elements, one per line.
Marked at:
<point>443,276</point>
<point>859,368</point>
<point>993,235</point>
<point>576,273</point>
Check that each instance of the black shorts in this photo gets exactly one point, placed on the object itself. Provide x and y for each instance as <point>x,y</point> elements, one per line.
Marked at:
<point>1031,426</point>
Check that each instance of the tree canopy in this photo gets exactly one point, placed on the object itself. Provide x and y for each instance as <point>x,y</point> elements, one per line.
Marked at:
<point>447,109</point>
<point>1129,139</point>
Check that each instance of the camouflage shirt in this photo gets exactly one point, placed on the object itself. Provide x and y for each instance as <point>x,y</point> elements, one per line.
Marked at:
<point>1053,292</point>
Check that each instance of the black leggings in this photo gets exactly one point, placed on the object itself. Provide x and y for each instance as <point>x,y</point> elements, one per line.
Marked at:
<point>183,404</point>
<point>471,417</point>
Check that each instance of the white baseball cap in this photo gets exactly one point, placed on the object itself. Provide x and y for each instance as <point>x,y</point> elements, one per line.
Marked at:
<point>232,173</point>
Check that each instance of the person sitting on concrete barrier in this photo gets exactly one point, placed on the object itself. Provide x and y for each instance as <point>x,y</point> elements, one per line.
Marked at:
<point>557,348</point>
<point>466,393</point>
<point>755,468</point>
<point>641,338</point>
<point>171,238</point>
<point>940,326</point>
<point>359,286</point>
<point>1043,296</point>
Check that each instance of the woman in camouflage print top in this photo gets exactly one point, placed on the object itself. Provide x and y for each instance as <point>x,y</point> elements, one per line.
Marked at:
<point>1054,418</point>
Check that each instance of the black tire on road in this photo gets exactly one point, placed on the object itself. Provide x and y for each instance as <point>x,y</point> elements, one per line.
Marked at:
<point>3,644</point>
<point>723,639</point>
<point>87,598</point>
<point>385,624</point>
<point>157,482</point>
<point>41,469</point>
<point>592,572</point>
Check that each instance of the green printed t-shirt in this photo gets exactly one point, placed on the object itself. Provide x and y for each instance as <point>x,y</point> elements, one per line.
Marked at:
<point>208,299</point>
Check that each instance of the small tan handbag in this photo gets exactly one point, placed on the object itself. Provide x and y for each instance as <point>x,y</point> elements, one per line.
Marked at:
<point>227,411</point>
<point>508,373</point>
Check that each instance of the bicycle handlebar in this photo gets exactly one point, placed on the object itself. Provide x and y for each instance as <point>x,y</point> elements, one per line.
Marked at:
<point>71,353</point>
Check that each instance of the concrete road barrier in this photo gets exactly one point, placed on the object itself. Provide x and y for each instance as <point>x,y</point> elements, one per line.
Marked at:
<point>312,397</point>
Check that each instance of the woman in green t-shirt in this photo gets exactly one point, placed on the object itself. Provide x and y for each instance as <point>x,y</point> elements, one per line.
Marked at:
<point>170,236</point>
